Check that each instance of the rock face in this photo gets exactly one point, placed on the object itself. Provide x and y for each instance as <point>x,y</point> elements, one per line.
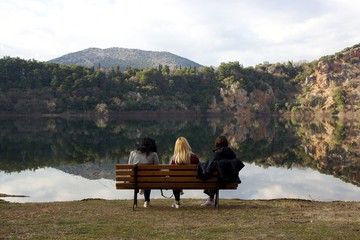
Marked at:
<point>242,103</point>
<point>335,83</point>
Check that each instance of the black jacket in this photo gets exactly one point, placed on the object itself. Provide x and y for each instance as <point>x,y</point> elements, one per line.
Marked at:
<point>223,153</point>
<point>228,170</point>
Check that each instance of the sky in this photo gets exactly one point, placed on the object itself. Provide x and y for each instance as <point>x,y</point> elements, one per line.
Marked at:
<point>208,32</point>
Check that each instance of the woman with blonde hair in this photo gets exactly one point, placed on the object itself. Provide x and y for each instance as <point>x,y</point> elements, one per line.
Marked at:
<point>183,155</point>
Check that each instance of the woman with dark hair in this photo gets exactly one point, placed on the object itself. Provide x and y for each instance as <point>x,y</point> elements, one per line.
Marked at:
<point>146,153</point>
<point>221,151</point>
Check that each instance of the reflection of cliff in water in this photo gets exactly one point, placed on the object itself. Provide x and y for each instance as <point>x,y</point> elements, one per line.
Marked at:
<point>333,145</point>
<point>264,141</point>
<point>330,146</point>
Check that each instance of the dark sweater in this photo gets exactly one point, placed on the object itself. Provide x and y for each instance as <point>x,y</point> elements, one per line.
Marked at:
<point>223,153</point>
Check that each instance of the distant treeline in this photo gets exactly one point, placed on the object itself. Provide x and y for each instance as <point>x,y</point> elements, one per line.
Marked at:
<point>30,86</point>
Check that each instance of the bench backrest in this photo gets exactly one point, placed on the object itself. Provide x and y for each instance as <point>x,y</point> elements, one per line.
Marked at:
<point>164,177</point>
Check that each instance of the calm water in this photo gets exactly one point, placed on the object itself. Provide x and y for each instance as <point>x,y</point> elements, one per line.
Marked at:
<point>55,159</point>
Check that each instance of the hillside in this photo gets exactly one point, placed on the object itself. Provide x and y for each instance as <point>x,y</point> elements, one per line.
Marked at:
<point>123,57</point>
<point>334,83</point>
<point>329,85</point>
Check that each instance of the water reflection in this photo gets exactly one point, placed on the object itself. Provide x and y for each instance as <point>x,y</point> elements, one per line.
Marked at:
<point>55,159</point>
<point>49,184</point>
<point>295,183</point>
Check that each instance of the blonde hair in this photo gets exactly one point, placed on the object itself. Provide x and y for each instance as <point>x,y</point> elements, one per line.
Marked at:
<point>182,151</point>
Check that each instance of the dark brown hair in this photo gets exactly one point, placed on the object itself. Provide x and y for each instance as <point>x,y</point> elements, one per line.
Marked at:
<point>148,145</point>
<point>221,141</point>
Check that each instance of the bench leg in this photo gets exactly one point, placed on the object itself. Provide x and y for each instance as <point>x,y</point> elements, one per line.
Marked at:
<point>135,199</point>
<point>217,198</point>
<point>136,186</point>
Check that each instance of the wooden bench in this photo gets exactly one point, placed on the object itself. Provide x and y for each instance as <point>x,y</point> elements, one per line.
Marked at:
<point>165,177</point>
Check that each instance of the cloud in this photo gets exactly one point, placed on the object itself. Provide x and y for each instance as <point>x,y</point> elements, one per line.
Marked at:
<point>206,31</point>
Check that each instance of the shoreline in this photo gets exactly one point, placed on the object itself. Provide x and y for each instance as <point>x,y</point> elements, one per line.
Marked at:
<point>3,195</point>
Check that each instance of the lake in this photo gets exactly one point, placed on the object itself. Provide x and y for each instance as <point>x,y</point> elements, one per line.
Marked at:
<point>64,159</point>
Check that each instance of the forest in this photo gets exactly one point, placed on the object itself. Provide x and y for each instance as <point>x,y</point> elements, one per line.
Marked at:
<point>30,86</point>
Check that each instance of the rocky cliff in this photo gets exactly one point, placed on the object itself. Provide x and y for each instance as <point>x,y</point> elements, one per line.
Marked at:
<point>334,85</point>
<point>238,101</point>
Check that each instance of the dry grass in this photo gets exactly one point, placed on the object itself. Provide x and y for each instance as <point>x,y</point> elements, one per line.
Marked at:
<point>235,219</point>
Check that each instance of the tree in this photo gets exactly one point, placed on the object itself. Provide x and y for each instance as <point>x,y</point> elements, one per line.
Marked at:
<point>166,70</point>
<point>101,109</point>
<point>229,69</point>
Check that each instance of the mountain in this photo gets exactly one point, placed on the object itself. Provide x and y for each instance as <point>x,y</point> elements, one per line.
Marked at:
<point>124,57</point>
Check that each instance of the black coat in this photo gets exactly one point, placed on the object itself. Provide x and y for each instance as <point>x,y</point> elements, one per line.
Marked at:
<point>223,153</point>
<point>228,170</point>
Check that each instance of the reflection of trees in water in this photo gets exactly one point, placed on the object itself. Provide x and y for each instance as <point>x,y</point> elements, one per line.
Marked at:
<point>265,141</point>
<point>31,143</point>
<point>239,130</point>
<point>329,146</point>
<point>333,146</point>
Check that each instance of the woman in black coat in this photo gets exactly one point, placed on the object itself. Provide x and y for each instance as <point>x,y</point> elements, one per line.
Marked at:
<point>221,151</point>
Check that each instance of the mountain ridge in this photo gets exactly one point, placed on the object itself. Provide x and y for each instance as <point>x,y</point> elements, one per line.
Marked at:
<point>124,57</point>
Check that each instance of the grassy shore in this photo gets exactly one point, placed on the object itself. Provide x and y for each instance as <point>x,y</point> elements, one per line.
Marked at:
<point>234,219</point>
